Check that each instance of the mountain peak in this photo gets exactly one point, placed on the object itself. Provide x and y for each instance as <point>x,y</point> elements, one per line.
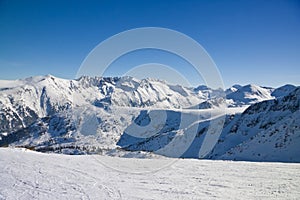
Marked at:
<point>250,93</point>
<point>283,90</point>
<point>49,112</point>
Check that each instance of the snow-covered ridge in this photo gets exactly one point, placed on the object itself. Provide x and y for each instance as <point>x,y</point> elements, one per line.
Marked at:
<point>23,101</point>
<point>93,114</point>
<point>250,94</point>
<point>268,130</point>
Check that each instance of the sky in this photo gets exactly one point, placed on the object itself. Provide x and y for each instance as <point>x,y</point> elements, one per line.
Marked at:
<point>250,41</point>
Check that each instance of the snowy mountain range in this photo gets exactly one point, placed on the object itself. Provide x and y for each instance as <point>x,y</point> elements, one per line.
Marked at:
<point>103,115</point>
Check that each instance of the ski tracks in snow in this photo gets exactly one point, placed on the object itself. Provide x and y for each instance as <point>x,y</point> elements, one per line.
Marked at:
<point>30,175</point>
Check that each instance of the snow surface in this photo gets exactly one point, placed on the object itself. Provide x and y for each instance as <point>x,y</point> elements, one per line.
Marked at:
<point>30,175</point>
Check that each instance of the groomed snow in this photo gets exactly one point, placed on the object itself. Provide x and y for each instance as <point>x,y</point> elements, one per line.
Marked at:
<point>29,175</point>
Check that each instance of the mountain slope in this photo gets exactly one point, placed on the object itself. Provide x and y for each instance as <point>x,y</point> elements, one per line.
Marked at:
<point>267,131</point>
<point>22,102</point>
<point>283,90</point>
<point>119,116</point>
<point>250,94</point>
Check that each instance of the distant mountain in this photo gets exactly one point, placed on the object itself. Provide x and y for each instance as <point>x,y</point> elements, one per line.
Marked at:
<point>47,111</point>
<point>250,94</point>
<point>240,96</point>
<point>213,103</point>
<point>233,88</point>
<point>103,115</point>
<point>266,131</point>
<point>22,102</point>
<point>269,131</point>
<point>283,90</point>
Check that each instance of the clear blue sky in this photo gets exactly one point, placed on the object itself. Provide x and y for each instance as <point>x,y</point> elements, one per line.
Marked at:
<point>250,41</point>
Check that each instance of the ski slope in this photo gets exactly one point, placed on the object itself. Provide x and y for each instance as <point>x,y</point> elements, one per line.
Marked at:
<point>26,174</point>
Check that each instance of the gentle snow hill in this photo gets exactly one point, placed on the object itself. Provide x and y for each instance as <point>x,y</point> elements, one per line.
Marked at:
<point>29,175</point>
